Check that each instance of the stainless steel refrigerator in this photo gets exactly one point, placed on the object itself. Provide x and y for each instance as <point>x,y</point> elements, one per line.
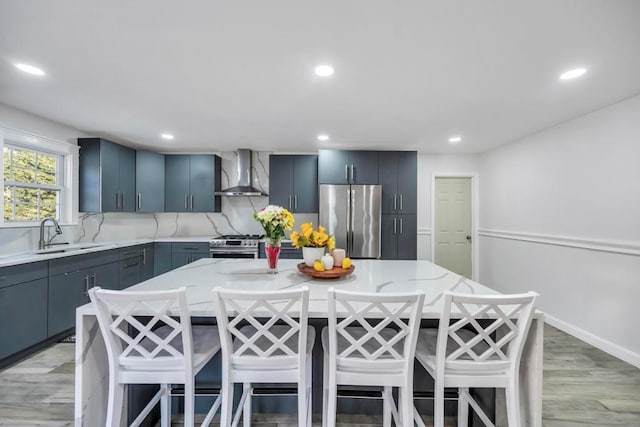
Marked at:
<point>353,213</point>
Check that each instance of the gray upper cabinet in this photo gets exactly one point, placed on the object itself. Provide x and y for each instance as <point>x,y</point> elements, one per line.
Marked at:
<point>107,176</point>
<point>398,175</point>
<point>347,167</point>
<point>293,182</point>
<point>149,182</point>
<point>190,181</point>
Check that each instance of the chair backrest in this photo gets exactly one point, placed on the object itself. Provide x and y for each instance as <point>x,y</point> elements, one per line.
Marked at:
<point>489,334</point>
<point>262,329</point>
<point>361,323</point>
<point>139,332</point>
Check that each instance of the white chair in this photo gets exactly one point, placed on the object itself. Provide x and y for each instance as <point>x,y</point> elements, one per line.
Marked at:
<point>267,340</point>
<point>146,345</point>
<point>481,349</point>
<point>370,341</point>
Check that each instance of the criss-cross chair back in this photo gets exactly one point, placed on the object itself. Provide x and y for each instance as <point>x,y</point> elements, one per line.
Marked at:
<point>489,334</point>
<point>139,330</point>
<point>371,329</point>
<point>266,328</point>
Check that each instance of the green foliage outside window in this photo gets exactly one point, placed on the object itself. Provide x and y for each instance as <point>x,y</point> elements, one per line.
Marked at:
<point>31,190</point>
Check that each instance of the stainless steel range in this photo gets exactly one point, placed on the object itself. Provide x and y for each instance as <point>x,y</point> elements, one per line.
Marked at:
<point>235,246</point>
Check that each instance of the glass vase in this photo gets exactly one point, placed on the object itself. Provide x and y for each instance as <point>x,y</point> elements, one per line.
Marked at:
<point>272,251</point>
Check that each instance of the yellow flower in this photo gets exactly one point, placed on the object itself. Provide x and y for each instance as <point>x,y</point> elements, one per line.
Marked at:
<point>310,238</point>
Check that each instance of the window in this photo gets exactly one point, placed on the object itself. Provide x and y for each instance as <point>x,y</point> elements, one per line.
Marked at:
<point>36,179</point>
<point>31,184</point>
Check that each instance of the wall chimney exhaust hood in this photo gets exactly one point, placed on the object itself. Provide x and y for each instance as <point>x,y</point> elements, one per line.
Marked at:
<point>243,187</point>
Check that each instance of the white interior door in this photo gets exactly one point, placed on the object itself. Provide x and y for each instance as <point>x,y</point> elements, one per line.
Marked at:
<point>453,224</point>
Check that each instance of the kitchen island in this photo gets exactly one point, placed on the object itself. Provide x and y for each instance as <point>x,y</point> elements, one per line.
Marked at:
<point>202,276</point>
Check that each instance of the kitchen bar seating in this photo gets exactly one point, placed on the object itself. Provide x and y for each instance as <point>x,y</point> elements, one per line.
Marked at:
<point>267,341</point>
<point>372,344</point>
<point>145,345</point>
<point>481,348</point>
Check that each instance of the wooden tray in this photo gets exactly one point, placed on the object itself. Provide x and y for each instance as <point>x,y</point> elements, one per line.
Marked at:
<point>334,273</point>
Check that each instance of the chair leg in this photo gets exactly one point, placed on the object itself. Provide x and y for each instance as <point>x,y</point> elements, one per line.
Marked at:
<point>406,405</point>
<point>309,390</point>
<point>302,402</point>
<point>512,394</point>
<point>332,401</point>
<point>325,390</point>
<point>226,408</point>
<point>386,410</point>
<point>189,404</point>
<point>114,403</point>
<point>463,408</point>
<point>246,409</point>
<point>165,406</point>
<point>438,405</point>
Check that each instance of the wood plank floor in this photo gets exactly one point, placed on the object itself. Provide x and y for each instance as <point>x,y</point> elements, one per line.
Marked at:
<point>582,386</point>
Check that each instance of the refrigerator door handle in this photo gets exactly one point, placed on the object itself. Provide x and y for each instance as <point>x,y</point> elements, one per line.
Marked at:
<point>352,180</point>
<point>353,224</point>
<point>348,221</point>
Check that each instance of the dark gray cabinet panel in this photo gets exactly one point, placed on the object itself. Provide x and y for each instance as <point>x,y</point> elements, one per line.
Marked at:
<point>398,176</point>
<point>107,176</point>
<point>347,167</point>
<point>190,182</point>
<point>399,237</point>
<point>183,253</point>
<point>286,251</point>
<point>147,262</point>
<point>21,273</point>
<point>293,182</point>
<point>149,181</point>
<point>129,272</point>
<point>23,316</point>
<point>66,293</point>
<point>161,258</point>
<point>105,276</point>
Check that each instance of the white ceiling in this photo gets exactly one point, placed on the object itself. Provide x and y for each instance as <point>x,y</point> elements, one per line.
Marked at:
<point>227,74</point>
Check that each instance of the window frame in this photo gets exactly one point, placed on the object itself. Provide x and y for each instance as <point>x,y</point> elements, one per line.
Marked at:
<point>66,173</point>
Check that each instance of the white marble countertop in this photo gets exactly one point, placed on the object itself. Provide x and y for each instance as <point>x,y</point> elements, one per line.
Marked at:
<point>201,276</point>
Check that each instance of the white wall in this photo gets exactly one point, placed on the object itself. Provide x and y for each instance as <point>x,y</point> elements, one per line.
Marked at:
<point>560,214</point>
<point>428,165</point>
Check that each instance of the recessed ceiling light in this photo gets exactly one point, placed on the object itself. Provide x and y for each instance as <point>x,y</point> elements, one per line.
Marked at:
<point>572,74</point>
<point>30,69</point>
<point>323,137</point>
<point>167,136</point>
<point>455,139</point>
<point>324,70</point>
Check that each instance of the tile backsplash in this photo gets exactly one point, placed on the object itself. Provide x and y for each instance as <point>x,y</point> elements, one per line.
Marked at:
<point>236,217</point>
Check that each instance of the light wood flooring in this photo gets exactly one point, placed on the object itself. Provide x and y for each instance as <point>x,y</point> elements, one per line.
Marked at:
<point>582,386</point>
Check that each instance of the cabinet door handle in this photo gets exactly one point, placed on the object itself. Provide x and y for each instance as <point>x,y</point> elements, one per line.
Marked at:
<point>295,201</point>
<point>289,201</point>
<point>186,202</point>
<point>395,226</point>
<point>94,279</point>
<point>123,201</point>
<point>400,225</point>
<point>117,201</point>
<point>139,200</point>
<point>346,172</point>
<point>130,265</point>
<point>86,285</point>
<point>401,202</point>
<point>352,179</point>
<point>395,200</point>
<point>144,256</point>
<point>191,202</point>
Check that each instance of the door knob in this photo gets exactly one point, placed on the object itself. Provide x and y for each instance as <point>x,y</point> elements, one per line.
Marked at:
<point>468,238</point>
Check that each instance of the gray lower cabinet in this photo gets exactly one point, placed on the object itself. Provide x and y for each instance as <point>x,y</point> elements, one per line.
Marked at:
<point>399,237</point>
<point>147,262</point>
<point>105,276</point>
<point>67,291</point>
<point>293,182</point>
<point>130,266</point>
<point>149,181</point>
<point>190,181</point>
<point>23,316</point>
<point>183,253</point>
<point>161,258</point>
<point>286,251</point>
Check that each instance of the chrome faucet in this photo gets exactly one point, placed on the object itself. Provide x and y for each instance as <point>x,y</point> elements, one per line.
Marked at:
<point>42,244</point>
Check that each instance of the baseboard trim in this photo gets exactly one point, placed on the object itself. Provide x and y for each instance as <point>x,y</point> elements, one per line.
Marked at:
<point>589,244</point>
<point>600,343</point>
